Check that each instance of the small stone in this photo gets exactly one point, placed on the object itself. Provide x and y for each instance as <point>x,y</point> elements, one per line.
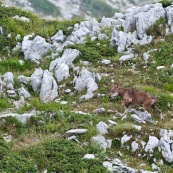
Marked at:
<point>89,156</point>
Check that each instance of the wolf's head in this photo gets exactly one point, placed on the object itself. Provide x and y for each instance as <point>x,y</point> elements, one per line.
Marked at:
<point>114,91</point>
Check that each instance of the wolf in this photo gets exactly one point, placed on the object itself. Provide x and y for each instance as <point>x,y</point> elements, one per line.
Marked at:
<point>135,97</point>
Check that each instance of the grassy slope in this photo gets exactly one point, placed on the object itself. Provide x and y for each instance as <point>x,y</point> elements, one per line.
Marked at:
<point>42,140</point>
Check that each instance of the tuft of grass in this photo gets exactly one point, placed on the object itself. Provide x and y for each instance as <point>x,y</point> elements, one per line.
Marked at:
<point>94,51</point>
<point>158,29</point>
<point>60,155</point>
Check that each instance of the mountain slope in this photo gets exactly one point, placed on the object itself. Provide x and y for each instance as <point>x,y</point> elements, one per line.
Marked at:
<point>67,132</point>
<point>77,8</point>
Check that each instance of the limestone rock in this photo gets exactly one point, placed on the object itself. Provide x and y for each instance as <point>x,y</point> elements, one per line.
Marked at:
<point>86,80</point>
<point>8,78</point>
<point>35,48</point>
<point>166,144</point>
<point>36,79</point>
<point>48,91</point>
<point>102,127</point>
<point>151,144</point>
<point>104,144</point>
<point>23,92</point>
<point>58,37</point>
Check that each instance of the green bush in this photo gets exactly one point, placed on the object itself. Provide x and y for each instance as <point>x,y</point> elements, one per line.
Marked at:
<point>166,3</point>
<point>94,51</point>
<point>64,156</point>
<point>12,126</point>
<point>12,162</point>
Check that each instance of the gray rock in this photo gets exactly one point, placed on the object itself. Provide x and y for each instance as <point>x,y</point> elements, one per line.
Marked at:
<point>11,93</point>
<point>8,78</point>
<point>106,61</point>
<point>134,146</point>
<point>22,18</point>
<point>23,92</point>
<point>123,40</point>
<point>125,139</point>
<point>151,144</point>
<point>102,36</point>
<point>141,116</point>
<point>48,91</point>
<point>107,22</point>
<point>89,156</point>
<point>99,111</point>
<point>117,166</point>
<point>10,86</point>
<point>139,18</point>
<point>144,19</point>
<point>58,37</point>
<point>145,56</point>
<point>1,30</point>
<point>127,57</point>
<point>34,49</point>
<point>136,118</point>
<point>20,103</point>
<point>76,131</point>
<point>24,79</point>
<point>119,16</point>
<point>102,127</point>
<point>68,57</point>
<point>62,72</point>
<point>86,80</point>
<point>82,30</point>
<point>21,117</point>
<point>36,79</point>
<point>166,144</point>
<point>169,15</point>
<point>104,144</point>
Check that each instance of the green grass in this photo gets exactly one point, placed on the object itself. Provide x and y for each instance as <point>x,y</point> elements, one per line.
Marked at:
<point>42,140</point>
<point>94,51</point>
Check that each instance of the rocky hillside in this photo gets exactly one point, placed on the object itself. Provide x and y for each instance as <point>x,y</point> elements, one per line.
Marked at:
<point>67,9</point>
<point>55,81</point>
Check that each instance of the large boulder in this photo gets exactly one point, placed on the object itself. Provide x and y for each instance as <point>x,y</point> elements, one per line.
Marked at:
<point>48,91</point>
<point>82,31</point>
<point>58,37</point>
<point>104,144</point>
<point>169,14</point>
<point>86,80</point>
<point>146,19</point>
<point>62,64</point>
<point>123,40</point>
<point>35,48</point>
<point>166,144</point>
<point>8,78</point>
<point>151,144</point>
<point>141,18</point>
<point>36,79</point>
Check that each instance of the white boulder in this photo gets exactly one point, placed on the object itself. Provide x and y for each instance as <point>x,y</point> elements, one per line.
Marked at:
<point>34,49</point>
<point>48,91</point>
<point>58,37</point>
<point>104,144</point>
<point>23,92</point>
<point>151,144</point>
<point>102,127</point>
<point>166,144</point>
<point>8,78</point>
<point>86,80</point>
<point>36,79</point>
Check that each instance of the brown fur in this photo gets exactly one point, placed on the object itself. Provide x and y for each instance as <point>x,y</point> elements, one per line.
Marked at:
<point>135,97</point>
